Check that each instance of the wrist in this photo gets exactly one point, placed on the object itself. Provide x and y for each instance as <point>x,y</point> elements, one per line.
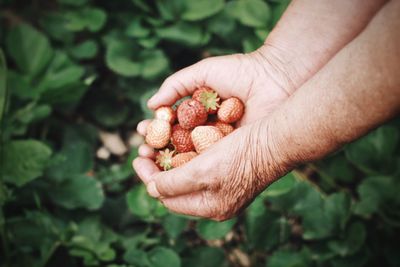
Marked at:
<point>279,64</point>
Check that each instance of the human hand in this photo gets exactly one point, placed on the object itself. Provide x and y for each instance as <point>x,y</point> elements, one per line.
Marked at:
<point>214,191</point>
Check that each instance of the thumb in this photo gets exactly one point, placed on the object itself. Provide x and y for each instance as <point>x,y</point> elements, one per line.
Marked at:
<point>180,84</point>
<point>179,181</point>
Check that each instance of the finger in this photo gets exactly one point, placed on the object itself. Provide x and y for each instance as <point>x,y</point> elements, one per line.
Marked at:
<point>145,168</point>
<point>179,181</point>
<point>178,85</point>
<point>146,151</point>
<point>142,127</point>
<point>192,205</point>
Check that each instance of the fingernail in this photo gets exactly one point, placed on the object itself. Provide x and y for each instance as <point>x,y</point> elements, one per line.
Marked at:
<point>152,190</point>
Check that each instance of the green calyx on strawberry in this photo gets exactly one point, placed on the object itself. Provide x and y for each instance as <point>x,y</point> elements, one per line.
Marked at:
<point>209,98</point>
<point>164,159</point>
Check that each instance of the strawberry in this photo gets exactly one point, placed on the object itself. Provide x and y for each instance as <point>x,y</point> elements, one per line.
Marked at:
<point>165,113</point>
<point>158,133</point>
<point>181,139</point>
<point>224,127</point>
<point>231,110</point>
<point>205,136</point>
<point>209,98</point>
<point>182,158</point>
<point>191,113</point>
<point>164,159</point>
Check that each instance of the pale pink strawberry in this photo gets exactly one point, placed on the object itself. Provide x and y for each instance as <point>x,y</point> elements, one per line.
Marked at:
<point>165,113</point>
<point>204,136</point>
<point>158,133</point>
<point>231,110</point>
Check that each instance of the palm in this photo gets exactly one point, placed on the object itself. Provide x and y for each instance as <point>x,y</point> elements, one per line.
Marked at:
<point>244,77</point>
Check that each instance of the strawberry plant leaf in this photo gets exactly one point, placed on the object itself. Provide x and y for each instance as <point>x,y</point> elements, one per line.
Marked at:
<point>142,205</point>
<point>205,257</point>
<point>3,86</point>
<point>214,230</point>
<point>78,191</point>
<point>29,48</point>
<point>24,161</point>
<point>162,256</point>
<point>374,152</point>
<point>253,13</point>
<point>201,9</point>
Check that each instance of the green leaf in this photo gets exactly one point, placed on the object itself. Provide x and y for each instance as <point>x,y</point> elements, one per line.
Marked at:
<point>289,259</point>
<point>373,193</point>
<point>214,230</point>
<point>170,10</point>
<point>137,257</point>
<point>174,225</point>
<point>77,153</point>
<point>24,161</point>
<point>142,205</point>
<point>161,257</point>
<point>29,49</point>
<point>205,257</point>
<point>183,33</point>
<point>92,241</point>
<point>118,59</point>
<point>253,13</point>
<point>78,191</point>
<point>60,73</point>
<point>92,19</point>
<point>73,2</point>
<point>201,9</point>
<point>3,86</point>
<point>136,29</point>
<point>154,63</point>
<point>280,186</point>
<point>353,239</point>
<point>258,235</point>
<point>374,153</point>
<point>85,50</point>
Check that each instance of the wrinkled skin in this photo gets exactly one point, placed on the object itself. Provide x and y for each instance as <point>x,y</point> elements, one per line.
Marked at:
<point>224,179</point>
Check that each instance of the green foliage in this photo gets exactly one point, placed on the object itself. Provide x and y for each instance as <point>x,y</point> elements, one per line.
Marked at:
<point>72,69</point>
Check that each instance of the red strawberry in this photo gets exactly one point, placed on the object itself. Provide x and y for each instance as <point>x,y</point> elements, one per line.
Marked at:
<point>182,158</point>
<point>165,113</point>
<point>224,127</point>
<point>191,113</point>
<point>231,110</point>
<point>164,159</point>
<point>158,133</point>
<point>209,98</point>
<point>181,139</point>
<point>205,136</point>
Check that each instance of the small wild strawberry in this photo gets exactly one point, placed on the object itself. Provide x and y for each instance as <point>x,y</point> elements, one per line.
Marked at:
<point>224,127</point>
<point>182,158</point>
<point>164,159</point>
<point>209,98</point>
<point>191,113</point>
<point>165,113</point>
<point>231,110</point>
<point>205,136</point>
<point>158,133</point>
<point>181,139</point>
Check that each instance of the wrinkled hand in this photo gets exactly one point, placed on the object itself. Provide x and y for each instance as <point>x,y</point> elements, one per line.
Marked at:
<point>221,181</point>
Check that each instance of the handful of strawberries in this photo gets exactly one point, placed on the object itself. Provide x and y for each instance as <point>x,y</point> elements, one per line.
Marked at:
<point>202,120</point>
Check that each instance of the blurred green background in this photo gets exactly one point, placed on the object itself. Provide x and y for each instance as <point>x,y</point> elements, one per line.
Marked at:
<point>74,79</point>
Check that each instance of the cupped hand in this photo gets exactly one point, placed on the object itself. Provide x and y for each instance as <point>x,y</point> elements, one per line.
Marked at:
<point>221,181</point>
